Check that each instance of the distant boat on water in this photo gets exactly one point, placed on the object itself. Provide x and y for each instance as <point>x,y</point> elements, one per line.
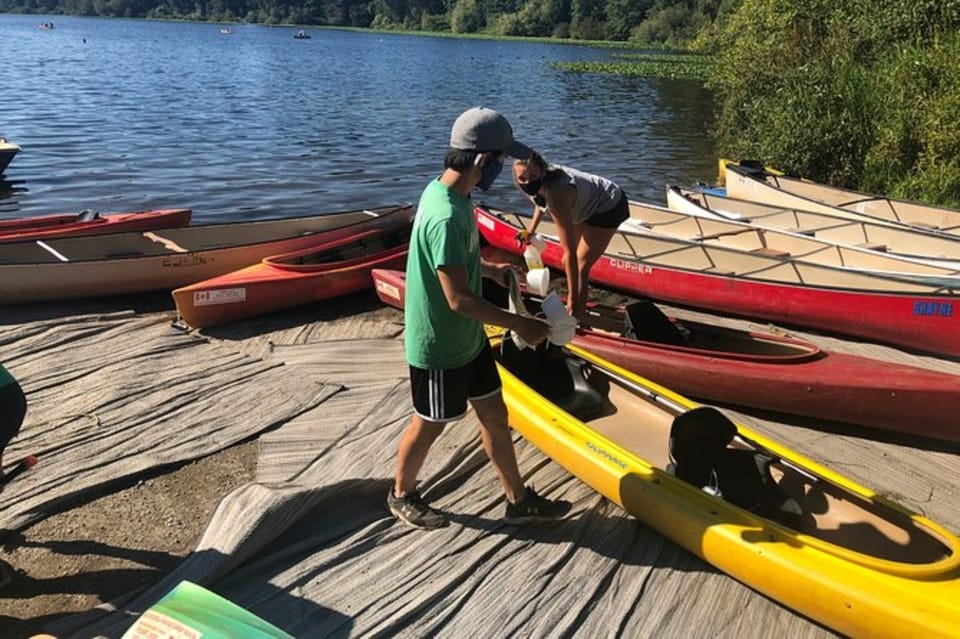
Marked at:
<point>302,35</point>
<point>45,25</point>
<point>226,31</point>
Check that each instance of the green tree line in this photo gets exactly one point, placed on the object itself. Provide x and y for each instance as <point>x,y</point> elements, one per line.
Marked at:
<point>660,22</point>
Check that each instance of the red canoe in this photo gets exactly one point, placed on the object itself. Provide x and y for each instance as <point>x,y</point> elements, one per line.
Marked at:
<point>325,271</point>
<point>700,275</point>
<point>90,223</point>
<point>759,370</point>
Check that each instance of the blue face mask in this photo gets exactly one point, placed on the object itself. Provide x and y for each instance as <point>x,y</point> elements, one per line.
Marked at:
<point>490,173</point>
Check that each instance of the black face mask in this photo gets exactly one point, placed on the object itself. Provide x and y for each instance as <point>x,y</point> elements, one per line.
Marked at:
<point>532,187</point>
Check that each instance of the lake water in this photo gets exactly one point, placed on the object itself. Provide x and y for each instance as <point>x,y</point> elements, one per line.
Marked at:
<point>127,114</point>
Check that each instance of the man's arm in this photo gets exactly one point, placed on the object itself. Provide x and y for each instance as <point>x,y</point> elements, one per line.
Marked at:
<point>560,201</point>
<point>454,281</point>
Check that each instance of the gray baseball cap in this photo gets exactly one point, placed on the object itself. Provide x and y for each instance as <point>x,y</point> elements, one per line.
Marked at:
<point>483,129</point>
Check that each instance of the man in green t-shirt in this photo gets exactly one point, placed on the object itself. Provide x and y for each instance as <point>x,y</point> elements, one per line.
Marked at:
<point>13,408</point>
<point>449,356</point>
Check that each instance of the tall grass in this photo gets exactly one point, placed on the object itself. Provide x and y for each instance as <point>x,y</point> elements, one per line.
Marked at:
<point>860,94</point>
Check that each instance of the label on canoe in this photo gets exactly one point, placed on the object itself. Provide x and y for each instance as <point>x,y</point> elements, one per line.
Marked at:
<point>190,611</point>
<point>389,290</point>
<point>219,296</point>
<point>485,221</point>
<point>933,308</point>
<point>631,265</point>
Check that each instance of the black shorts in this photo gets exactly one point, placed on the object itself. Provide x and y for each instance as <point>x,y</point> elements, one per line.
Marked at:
<point>440,395</point>
<point>611,218</point>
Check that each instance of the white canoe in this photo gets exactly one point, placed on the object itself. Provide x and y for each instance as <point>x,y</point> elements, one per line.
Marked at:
<point>748,183</point>
<point>886,237</point>
<point>120,263</point>
<point>787,247</point>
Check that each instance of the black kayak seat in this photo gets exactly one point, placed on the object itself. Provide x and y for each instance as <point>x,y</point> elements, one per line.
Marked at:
<point>560,377</point>
<point>88,215</point>
<point>644,321</point>
<point>699,440</point>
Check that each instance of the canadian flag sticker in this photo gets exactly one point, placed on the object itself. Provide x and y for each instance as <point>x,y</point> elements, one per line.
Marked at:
<point>219,296</point>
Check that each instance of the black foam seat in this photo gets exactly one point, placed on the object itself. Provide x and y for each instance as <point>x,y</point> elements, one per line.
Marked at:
<point>698,438</point>
<point>698,448</point>
<point>564,379</point>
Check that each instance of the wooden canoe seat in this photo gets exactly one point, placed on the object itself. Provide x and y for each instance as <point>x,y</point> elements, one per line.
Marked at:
<point>165,242</point>
<point>801,231</point>
<point>874,246</point>
<point>770,252</point>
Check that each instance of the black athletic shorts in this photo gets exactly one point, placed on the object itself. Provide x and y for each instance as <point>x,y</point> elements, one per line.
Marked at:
<point>611,218</point>
<point>440,395</point>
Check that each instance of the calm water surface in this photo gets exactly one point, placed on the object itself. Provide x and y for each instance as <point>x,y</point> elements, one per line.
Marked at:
<point>127,114</point>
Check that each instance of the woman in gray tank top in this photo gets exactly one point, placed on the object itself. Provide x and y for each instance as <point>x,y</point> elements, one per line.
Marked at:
<point>587,210</point>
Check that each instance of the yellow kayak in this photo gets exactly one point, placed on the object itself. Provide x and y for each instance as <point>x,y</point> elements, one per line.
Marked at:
<point>791,529</point>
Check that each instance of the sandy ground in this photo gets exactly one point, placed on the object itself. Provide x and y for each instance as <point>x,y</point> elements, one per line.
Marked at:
<point>89,555</point>
<point>129,537</point>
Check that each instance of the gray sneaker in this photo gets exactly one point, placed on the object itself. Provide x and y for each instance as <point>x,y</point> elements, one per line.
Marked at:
<point>533,507</point>
<point>415,512</point>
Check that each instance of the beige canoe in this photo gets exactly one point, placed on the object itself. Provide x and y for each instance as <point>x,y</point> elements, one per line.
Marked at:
<point>780,190</point>
<point>877,235</point>
<point>121,263</point>
<point>751,240</point>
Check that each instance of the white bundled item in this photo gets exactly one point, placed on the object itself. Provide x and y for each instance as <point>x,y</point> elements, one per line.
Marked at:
<point>563,326</point>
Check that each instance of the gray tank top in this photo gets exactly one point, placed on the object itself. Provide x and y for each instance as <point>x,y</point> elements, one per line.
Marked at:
<point>595,194</point>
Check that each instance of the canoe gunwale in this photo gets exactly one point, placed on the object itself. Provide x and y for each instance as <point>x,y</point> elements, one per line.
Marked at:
<point>284,261</point>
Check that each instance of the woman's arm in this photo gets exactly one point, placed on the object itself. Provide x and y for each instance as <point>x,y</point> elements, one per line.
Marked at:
<point>560,199</point>
<point>538,212</point>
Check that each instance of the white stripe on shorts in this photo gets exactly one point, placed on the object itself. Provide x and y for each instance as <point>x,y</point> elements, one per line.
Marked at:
<point>436,393</point>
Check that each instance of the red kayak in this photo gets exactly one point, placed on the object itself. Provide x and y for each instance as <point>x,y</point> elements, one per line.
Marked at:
<point>696,273</point>
<point>759,370</point>
<point>325,271</point>
<point>90,223</point>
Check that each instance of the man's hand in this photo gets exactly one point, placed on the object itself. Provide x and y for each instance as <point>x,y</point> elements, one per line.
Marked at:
<point>532,330</point>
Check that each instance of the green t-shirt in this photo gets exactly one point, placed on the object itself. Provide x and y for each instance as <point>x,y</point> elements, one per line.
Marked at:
<point>5,377</point>
<point>444,234</point>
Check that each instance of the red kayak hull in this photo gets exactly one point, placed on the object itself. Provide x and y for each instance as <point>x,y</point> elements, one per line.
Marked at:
<point>70,225</point>
<point>288,280</point>
<point>928,323</point>
<point>805,380</point>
